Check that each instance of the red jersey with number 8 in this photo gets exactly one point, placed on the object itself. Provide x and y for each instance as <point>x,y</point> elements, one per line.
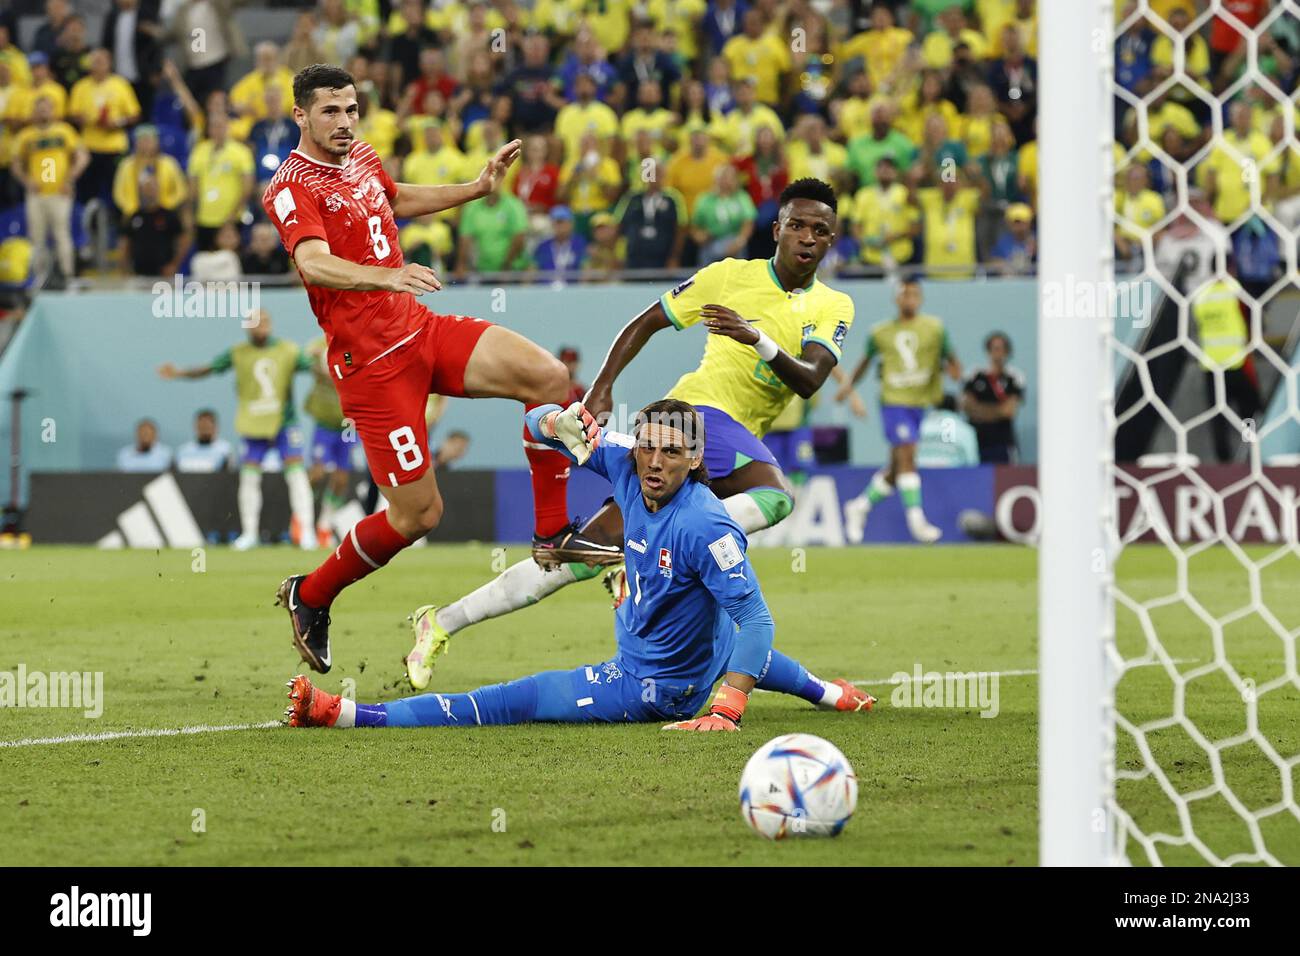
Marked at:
<point>350,207</point>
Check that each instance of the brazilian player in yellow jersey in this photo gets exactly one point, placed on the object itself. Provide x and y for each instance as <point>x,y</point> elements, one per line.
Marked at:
<point>914,352</point>
<point>774,331</point>
<point>264,368</point>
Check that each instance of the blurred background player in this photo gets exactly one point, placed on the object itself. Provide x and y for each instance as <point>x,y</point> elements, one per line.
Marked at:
<point>331,444</point>
<point>914,351</point>
<point>775,331</point>
<point>991,398</point>
<point>699,615</point>
<point>264,367</point>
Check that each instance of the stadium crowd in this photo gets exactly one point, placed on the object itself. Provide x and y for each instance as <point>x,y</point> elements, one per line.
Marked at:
<point>657,134</point>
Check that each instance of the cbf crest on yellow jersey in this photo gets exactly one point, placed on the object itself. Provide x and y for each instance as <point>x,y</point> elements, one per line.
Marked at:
<point>731,377</point>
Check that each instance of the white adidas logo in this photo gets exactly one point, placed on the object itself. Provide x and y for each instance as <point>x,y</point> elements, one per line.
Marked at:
<point>162,520</point>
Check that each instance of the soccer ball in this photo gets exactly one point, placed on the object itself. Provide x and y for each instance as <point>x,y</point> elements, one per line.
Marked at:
<point>797,785</point>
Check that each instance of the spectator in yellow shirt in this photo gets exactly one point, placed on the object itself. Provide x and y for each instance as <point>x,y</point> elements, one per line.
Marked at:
<point>936,50</point>
<point>927,101</point>
<point>682,19</point>
<point>48,158</point>
<point>1196,62</point>
<point>735,131</point>
<point>949,217</point>
<point>609,20</point>
<point>1240,160</point>
<point>437,164</point>
<point>691,171</point>
<point>584,115</point>
<point>147,160</point>
<point>649,115</point>
<point>103,105</point>
<point>248,96</point>
<point>590,182</point>
<point>880,49</point>
<point>811,152</point>
<point>885,221</point>
<point>756,54</point>
<point>852,113</point>
<point>22,104</point>
<point>1141,207</point>
<point>978,121</point>
<point>221,180</point>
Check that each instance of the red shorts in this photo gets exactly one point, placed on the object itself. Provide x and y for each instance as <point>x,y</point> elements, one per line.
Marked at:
<point>386,399</point>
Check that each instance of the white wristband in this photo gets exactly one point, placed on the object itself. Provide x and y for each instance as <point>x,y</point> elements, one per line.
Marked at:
<point>765,347</point>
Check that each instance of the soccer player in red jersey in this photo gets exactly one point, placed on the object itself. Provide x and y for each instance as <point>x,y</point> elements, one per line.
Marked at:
<point>336,208</point>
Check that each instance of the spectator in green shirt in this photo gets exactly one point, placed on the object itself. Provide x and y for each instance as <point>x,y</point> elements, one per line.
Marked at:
<point>723,219</point>
<point>492,233</point>
<point>883,140</point>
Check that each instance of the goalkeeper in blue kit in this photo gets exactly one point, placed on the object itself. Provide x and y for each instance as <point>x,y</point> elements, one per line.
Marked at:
<point>695,612</point>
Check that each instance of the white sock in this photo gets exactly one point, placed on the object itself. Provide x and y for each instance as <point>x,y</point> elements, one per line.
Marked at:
<point>300,501</point>
<point>347,713</point>
<point>746,512</point>
<point>250,501</point>
<point>831,693</point>
<point>517,586</point>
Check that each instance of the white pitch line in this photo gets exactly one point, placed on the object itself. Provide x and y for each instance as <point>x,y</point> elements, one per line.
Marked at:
<point>123,734</point>
<point>179,731</point>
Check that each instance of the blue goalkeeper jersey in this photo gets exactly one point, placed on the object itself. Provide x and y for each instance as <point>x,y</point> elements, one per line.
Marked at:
<point>694,609</point>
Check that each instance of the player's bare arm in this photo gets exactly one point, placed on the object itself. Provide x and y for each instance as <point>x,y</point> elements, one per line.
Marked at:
<point>599,400</point>
<point>805,374</point>
<point>413,201</point>
<point>859,370</point>
<point>169,371</point>
<point>320,267</point>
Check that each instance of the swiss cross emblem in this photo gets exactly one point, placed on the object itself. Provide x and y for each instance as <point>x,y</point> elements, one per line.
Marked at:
<point>665,559</point>
<point>333,202</point>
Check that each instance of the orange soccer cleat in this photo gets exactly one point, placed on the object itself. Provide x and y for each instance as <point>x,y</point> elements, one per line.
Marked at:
<point>852,698</point>
<point>310,706</point>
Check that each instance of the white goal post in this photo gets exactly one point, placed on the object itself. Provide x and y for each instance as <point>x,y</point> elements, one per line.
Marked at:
<point>1074,188</point>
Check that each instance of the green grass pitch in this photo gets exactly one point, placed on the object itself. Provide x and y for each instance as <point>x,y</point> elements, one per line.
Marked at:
<point>937,786</point>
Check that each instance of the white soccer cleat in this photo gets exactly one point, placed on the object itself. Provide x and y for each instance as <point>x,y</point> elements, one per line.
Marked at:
<point>921,529</point>
<point>855,518</point>
<point>245,542</point>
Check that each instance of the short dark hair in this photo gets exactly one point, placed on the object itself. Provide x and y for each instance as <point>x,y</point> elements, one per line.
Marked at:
<point>808,188</point>
<point>909,278</point>
<point>318,76</point>
<point>683,416</point>
<point>205,413</point>
<point>1006,340</point>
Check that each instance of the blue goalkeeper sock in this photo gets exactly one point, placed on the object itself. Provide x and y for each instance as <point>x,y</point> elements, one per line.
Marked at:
<point>512,703</point>
<point>787,676</point>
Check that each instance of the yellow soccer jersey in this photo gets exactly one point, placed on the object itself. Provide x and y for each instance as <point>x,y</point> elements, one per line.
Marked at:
<point>731,377</point>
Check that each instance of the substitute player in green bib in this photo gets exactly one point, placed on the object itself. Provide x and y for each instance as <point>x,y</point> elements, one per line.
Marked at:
<point>774,331</point>
<point>331,443</point>
<point>914,352</point>
<point>264,367</point>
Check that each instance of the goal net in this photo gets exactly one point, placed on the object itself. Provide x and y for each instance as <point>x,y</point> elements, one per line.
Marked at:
<point>1173,469</point>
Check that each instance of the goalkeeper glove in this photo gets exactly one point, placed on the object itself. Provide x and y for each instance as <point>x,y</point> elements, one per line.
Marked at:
<point>728,706</point>
<point>576,428</point>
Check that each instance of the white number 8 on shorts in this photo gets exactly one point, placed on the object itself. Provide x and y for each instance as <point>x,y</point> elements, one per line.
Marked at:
<point>408,451</point>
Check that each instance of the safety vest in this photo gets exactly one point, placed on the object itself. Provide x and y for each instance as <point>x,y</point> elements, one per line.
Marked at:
<point>1220,326</point>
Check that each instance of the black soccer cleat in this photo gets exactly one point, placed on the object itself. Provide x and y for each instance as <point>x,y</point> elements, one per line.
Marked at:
<point>570,546</point>
<point>311,625</point>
